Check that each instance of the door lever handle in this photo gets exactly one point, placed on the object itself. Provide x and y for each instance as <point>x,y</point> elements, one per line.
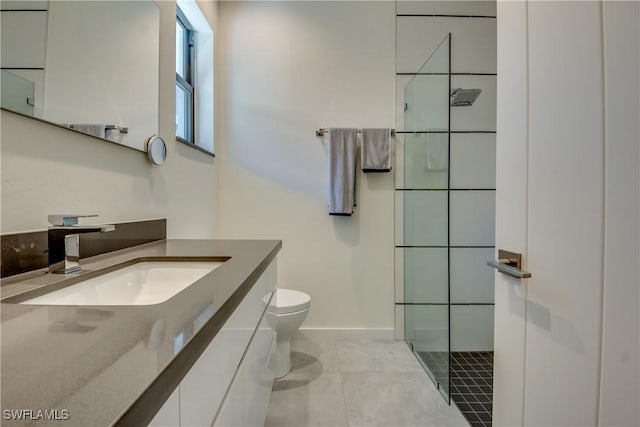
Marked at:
<point>509,263</point>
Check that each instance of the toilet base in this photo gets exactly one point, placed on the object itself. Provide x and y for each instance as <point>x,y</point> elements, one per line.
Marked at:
<point>283,357</point>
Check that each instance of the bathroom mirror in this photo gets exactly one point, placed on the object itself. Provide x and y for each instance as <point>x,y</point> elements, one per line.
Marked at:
<point>90,66</point>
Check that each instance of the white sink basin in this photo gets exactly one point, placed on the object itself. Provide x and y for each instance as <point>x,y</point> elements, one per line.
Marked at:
<point>144,283</point>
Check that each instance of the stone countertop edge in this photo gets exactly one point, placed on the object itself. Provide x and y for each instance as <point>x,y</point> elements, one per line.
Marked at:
<point>238,281</point>
<point>145,408</point>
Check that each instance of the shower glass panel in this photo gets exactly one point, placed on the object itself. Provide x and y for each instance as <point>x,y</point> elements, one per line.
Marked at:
<point>17,93</point>
<point>424,94</point>
<point>425,201</point>
<point>426,158</point>
<point>425,218</point>
<point>427,331</point>
<point>425,275</point>
<point>445,203</point>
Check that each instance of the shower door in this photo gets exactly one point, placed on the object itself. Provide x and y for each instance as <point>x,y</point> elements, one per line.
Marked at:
<point>422,196</point>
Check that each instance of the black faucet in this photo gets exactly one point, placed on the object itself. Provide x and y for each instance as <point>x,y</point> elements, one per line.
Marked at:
<point>64,241</point>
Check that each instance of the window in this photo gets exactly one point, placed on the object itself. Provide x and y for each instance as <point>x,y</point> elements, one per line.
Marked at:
<point>195,102</point>
<point>185,79</point>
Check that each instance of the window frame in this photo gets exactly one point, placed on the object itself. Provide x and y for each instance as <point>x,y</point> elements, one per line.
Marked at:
<point>187,84</point>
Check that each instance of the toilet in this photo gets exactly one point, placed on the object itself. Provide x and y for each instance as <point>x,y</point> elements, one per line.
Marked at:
<point>291,308</point>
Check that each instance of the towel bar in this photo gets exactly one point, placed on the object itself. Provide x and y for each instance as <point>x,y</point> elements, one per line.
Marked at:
<point>324,131</point>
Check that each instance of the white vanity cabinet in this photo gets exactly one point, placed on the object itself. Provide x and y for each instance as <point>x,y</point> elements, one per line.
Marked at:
<point>258,371</point>
<point>237,363</point>
<point>169,414</point>
<point>247,401</point>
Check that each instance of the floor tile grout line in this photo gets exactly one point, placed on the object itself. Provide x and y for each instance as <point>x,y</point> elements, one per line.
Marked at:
<point>344,400</point>
<point>468,370</point>
<point>344,395</point>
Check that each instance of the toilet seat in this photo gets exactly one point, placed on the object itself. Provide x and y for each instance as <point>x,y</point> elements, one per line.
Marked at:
<point>290,301</point>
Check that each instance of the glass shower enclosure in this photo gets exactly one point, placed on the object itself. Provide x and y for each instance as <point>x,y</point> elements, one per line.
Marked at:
<point>424,238</point>
<point>445,215</point>
<point>17,93</point>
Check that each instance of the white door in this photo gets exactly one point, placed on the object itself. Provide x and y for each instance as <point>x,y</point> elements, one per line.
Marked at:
<point>566,340</point>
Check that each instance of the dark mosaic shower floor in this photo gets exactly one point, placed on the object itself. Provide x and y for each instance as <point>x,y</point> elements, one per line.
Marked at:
<point>471,381</point>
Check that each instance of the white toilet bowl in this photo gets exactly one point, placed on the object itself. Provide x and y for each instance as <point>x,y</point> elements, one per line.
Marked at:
<point>291,309</point>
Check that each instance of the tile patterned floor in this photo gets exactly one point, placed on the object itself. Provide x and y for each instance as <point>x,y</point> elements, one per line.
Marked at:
<point>357,383</point>
<point>471,382</point>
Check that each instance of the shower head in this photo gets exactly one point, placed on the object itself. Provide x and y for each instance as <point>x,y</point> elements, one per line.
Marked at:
<point>464,97</point>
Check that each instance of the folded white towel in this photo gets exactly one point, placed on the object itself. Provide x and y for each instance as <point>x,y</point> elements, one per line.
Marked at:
<point>342,171</point>
<point>113,134</point>
<point>376,150</point>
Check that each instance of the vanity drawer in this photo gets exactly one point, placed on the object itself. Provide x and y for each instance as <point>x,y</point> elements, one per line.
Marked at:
<point>247,401</point>
<point>203,388</point>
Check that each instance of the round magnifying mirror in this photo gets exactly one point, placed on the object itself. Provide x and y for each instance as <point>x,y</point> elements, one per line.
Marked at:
<point>156,150</point>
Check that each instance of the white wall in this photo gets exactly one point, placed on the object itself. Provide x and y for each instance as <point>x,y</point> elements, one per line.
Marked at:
<point>286,69</point>
<point>46,169</point>
<point>114,81</point>
<point>25,48</point>
<point>27,45</point>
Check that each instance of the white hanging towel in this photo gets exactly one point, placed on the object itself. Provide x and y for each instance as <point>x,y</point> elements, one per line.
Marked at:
<point>342,171</point>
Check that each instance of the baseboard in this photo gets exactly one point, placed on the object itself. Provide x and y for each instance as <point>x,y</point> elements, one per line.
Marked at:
<point>378,334</point>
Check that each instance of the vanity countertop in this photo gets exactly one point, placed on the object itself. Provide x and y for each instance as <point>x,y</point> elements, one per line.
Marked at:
<point>118,364</point>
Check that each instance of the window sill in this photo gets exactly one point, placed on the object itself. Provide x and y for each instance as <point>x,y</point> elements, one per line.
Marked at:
<point>192,145</point>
